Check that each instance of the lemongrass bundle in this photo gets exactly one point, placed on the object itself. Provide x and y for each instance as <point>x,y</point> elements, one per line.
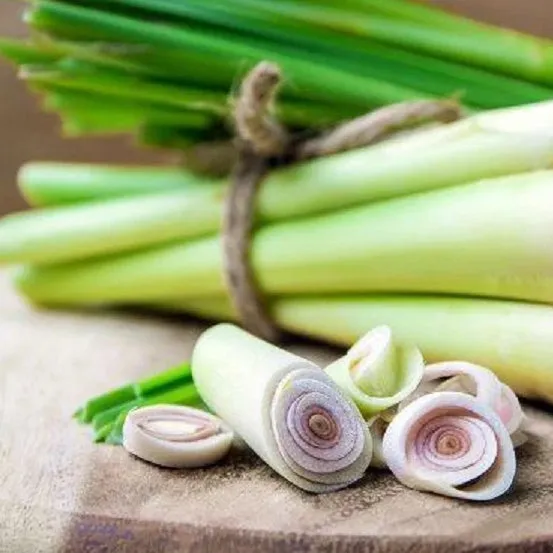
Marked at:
<point>163,69</point>
<point>489,238</point>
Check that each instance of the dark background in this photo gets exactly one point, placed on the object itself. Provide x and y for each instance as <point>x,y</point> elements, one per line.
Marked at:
<point>27,134</point>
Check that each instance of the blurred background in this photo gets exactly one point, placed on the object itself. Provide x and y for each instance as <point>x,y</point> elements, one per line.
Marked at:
<point>28,134</point>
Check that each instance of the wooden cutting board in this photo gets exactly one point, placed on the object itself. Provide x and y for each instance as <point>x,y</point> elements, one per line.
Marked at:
<point>61,493</point>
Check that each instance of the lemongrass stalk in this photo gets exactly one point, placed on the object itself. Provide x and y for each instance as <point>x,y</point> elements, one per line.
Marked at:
<point>513,339</point>
<point>52,183</point>
<point>175,376</point>
<point>400,166</point>
<point>490,238</point>
<point>284,407</point>
<point>78,232</point>
<point>494,143</point>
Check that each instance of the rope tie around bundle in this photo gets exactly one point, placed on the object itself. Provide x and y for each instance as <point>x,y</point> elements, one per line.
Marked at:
<point>263,143</point>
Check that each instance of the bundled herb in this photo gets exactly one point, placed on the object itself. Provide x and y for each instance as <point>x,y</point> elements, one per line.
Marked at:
<point>163,70</point>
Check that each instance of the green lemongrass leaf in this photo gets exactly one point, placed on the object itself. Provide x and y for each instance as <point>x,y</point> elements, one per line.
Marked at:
<point>321,81</point>
<point>23,53</point>
<point>115,434</point>
<point>174,376</point>
<point>489,238</point>
<point>360,56</point>
<point>411,11</point>
<point>103,433</point>
<point>127,88</point>
<point>512,53</point>
<point>98,114</point>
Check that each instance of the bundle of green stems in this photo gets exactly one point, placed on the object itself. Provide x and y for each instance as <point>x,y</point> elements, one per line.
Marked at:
<point>164,70</point>
<point>444,234</point>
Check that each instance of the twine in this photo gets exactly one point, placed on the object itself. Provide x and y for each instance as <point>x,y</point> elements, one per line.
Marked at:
<point>262,144</point>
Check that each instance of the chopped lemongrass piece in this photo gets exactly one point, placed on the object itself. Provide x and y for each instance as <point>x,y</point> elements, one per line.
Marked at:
<point>176,436</point>
<point>451,444</point>
<point>376,372</point>
<point>284,407</point>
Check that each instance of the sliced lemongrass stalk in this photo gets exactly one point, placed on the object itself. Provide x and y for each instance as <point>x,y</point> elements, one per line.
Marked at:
<point>284,407</point>
<point>483,384</point>
<point>451,444</point>
<point>377,373</point>
<point>52,183</point>
<point>113,432</point>
<point>377,428</point>
<point>175,376</point>
<point>176,436</point>
<point>490,238</point>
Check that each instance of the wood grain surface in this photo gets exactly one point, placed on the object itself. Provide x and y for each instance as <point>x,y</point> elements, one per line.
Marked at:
<point>61,493</point>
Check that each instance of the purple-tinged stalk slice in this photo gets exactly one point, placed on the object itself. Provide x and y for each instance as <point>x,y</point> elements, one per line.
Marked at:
<point>482,383</point>
<point>284,407</point>
<point>451,444</point>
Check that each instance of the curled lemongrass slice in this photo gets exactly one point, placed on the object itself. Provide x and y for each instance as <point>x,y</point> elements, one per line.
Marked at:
<point>376,373</point>
<point>284,407</point>
<point>481,383</point>
<point>451,444</point>
<point>176,436</point>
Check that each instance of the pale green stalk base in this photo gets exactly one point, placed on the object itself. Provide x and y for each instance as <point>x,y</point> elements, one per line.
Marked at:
<point>53,183</point>
<point>180,205</point>
<point>486,239</point>
<point>513,339</point>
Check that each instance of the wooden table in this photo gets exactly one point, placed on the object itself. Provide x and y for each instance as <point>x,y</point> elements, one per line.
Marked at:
<point>61,493</point>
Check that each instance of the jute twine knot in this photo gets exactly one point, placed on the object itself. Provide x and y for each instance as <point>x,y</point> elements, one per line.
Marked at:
<point>263,143</point>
